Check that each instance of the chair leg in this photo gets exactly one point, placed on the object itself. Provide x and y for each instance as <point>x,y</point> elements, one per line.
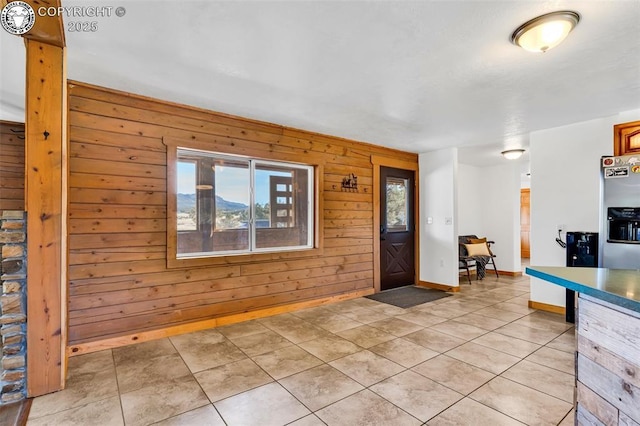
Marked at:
<point>493,262</point>
<point>468,272</point>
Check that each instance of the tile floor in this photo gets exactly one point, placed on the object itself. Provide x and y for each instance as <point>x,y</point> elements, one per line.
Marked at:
<point>479,357</point>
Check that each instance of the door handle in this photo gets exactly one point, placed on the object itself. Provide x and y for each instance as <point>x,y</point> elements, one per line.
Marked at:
<point>382,231</point>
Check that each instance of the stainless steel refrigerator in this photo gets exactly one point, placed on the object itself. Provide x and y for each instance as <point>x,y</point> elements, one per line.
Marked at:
<point>620,212</point>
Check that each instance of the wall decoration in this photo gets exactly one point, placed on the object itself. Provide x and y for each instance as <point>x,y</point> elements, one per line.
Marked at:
<point>350,183</point>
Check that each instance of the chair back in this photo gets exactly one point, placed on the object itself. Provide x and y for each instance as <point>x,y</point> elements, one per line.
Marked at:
<point>462,240</point>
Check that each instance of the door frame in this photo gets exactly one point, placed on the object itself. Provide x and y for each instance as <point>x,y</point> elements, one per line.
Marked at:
<point>525,190</point>
<point>378,161</point>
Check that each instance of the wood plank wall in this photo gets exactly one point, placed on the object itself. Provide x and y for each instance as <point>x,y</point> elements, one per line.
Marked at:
<point>119,282</point>
<point>11,166</point>
<point>608,364</point>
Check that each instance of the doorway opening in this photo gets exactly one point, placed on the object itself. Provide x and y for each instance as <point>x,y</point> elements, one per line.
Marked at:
<point>397,228</point>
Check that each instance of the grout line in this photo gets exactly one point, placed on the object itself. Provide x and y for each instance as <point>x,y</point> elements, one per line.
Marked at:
<point>532,388</point>
<point>76,407</point>
<point>481,289</point>
<point>495,409</point>
<point>115,370</point>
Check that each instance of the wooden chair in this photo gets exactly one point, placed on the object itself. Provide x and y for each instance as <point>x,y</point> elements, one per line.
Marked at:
<point>465,262</point>
<point>464,256</point>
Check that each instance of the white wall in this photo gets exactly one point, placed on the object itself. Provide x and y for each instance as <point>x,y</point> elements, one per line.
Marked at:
<point>470,200</point>
<point>565,188</point>
<point>489,206</point>
<point>12,77</point>
<point>438,201</point>
<point>501,213</point>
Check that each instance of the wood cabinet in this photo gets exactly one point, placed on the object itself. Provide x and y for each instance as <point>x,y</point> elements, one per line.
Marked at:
<point>626,138</point>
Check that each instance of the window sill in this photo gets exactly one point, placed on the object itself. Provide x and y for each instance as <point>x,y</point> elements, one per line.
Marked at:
<point>239,259</point>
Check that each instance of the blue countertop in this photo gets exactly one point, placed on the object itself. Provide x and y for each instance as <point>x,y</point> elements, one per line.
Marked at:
<point>618,286</point>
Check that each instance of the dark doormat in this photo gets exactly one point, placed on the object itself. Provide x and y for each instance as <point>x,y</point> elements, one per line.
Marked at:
<point>409,296</point>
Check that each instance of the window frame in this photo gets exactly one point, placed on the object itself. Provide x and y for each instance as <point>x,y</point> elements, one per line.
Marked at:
<point>195,171</point>
<point>314,217</point>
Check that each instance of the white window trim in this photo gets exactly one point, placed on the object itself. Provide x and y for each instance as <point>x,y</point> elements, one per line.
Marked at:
<point>253,161</point>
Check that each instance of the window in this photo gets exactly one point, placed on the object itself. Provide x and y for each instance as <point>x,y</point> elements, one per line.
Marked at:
<point>229,204</point>
<point>186,196</point>
<point>397,204</point>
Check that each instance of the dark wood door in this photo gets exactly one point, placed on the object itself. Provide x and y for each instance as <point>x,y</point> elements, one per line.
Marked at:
<point>397,193</point>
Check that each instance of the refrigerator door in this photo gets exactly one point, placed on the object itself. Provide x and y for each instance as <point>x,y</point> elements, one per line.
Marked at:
<point>620,212</point>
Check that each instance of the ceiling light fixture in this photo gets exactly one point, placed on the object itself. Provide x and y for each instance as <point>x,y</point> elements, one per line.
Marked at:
<point>512,154</point>
<point>546,31</point>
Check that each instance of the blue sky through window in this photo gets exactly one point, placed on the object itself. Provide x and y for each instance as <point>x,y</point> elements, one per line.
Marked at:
<point>235,182</point>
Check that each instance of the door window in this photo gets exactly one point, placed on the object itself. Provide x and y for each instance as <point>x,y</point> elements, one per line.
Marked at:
<point>397,205</point>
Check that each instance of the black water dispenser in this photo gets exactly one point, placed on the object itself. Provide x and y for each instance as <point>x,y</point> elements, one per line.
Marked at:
<point>624,225</point>
<point>582,251</point>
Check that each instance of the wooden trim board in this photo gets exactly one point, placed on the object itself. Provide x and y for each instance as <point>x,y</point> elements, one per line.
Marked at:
<point>45,158</point>
<point>547,307</point>
<point>47,28</point>
<point>508,273</point>
<point>84,348</point>
<point>437,286</point>
<point>490,272</point>
<point>245,258</point>
<point>16,413</point>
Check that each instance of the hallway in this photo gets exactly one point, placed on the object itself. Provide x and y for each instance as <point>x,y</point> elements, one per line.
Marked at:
<point>479,357</point>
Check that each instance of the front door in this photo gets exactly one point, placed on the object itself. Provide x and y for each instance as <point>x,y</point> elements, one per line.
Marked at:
<point>397,191</point>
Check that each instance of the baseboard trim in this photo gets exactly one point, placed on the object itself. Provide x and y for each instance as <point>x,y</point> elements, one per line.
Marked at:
<point>437,286</point>
<point>508,273</point>
<point>546,307</point>
<point>145,336</point>
<point>491,273</point>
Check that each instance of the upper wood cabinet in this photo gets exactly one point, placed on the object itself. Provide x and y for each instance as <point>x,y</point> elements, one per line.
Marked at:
<point>626,138</point>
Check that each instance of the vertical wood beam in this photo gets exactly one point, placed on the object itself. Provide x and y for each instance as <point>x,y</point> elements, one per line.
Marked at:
<point>46,205</point>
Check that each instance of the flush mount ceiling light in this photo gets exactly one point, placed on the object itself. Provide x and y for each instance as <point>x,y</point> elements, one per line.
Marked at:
<point>204,187</point>
<point>546,31</point>
<point>512,154</point>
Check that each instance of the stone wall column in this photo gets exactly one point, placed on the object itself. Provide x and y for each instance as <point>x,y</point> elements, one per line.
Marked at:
<point>13,306</point>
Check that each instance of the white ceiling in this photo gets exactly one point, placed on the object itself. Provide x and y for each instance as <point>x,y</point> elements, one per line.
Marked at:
<point>414,75</point>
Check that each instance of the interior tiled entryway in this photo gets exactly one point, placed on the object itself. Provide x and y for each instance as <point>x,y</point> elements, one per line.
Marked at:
<point>479,357</point>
